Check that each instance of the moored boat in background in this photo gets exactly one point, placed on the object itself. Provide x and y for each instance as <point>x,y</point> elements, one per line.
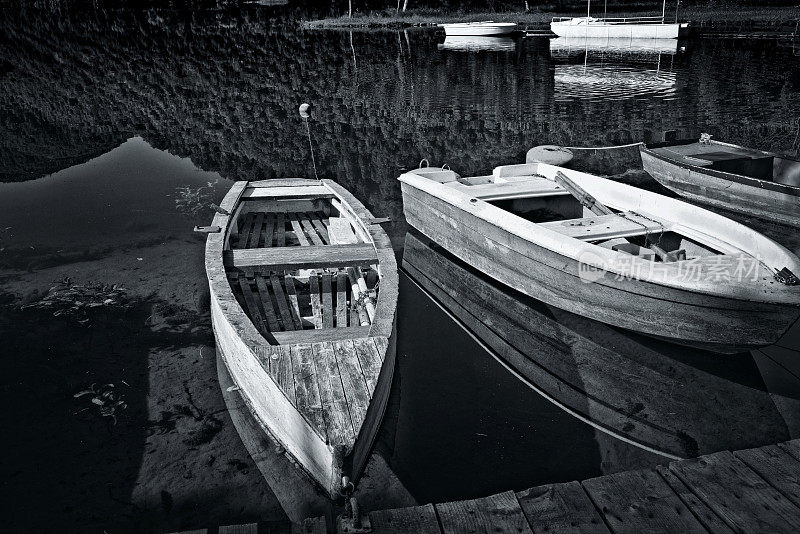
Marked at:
<point>303,297</point>
<point>654,27</point>
<point>611,252</point>
<point>729,176</point>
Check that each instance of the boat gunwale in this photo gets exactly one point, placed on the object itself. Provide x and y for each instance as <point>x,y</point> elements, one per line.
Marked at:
<point>582,252</point>
<point>788,189</point>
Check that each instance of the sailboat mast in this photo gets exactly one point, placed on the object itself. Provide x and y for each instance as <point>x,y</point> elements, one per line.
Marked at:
<point>663,11</point>
<point>589,7</point>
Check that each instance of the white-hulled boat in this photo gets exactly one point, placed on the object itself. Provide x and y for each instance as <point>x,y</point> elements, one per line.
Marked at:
<point>620,27</point>
<point>478,29</point>
<point>730,176</point>
<point>612,252</point>
<point>303,294</point>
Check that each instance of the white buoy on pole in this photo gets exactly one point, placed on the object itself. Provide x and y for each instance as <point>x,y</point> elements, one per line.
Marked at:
<point>305,113</point>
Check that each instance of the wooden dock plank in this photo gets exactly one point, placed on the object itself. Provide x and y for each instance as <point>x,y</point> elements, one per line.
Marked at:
<point>255,234</point>
<point>306,387</point>
<point>777,467</point>
<point>266,302</point>
<point>369,360</point>
<point>252,305</point>
<point>341,299</point>
<point>269,230</point>
<point>280,230</point>
<point>353,382</point>
<point>334,406</point>
<point>738,495</point>
<point>703,513</point>
<point>305,257</point>
<point>251,528</point>
<point>294,304</point>
<point>298,229</point>
<point>638,501</point>
<point>499,513</point>
<point>283,302</point>
<point>418,519</point>
<point>560,509</point>
<point>244,231</point>
<point>316,303</point>
<point>327,301</point>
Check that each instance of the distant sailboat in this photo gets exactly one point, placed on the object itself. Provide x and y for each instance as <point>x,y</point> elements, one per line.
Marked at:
<point>621,27</point>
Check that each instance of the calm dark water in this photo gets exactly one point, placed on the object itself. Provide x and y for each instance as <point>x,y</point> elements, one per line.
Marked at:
<point>105,114</point>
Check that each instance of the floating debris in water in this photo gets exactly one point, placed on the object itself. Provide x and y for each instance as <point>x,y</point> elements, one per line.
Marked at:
<point>107,400</point>
<point>193,200</point>
<point>77,301</point>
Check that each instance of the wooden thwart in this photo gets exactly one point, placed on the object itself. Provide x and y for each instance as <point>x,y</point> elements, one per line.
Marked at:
<point>305,257</point>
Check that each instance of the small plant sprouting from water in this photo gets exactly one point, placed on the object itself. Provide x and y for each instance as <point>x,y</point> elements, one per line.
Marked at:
<point>78,301</point>
<point>193,200</point>
<point>106,400</point>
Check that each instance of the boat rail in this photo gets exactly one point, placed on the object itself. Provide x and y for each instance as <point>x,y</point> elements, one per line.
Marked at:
<point>615,20</point>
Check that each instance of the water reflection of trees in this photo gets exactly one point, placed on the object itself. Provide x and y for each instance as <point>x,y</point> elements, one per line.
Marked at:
<point>223,88</point>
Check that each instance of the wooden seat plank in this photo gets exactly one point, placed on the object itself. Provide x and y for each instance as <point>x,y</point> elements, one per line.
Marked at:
<point>310,230</point>
<point>535,187</point>
<point>640,501</point>
<point>369,360</point>
<point>745,501</point>
<point>252,305</point>
<point>604,227</point>
<point>244,231</point>
<point>294,304</point>
<point>282,370</point>
<point>316,304</point>
<point>266,303</point>
<point>327,301</point>
<point>269,230</point>
<point>561,508</point>
<point>499,513</point>
<point>353,382</point>
<point>334,404</point>
<point>255,234</point>
<point>341,299</point>
<point>306,257</point>
<point>306,386</point>
<point>298,229</point>
<point>703,513</point>
<point>419,519</point>
<point>302,191</point>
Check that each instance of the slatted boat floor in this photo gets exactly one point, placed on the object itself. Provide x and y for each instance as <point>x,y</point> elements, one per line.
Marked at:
<point>753,490</point>
<point>264,229</point>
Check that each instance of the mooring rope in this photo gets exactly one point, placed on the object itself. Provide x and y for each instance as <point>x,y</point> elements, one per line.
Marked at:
<point>602,147</point>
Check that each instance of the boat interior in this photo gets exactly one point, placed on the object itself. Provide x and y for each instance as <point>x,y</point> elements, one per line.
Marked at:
<point>562,207</point>
<point>301,264</point>
<point>734,160</point>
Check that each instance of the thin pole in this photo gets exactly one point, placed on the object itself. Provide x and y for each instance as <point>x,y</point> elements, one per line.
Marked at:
<point>589,7</point>
<point>663,11</point>
<point>605,9</point>
<point>313,162</point>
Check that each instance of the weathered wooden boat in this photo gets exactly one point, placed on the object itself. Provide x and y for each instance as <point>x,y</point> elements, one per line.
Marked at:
<point>303,294</point>
<point>623,384</point>
<point>730,176</point>
<point>479,29</point>
<point>612,252</point>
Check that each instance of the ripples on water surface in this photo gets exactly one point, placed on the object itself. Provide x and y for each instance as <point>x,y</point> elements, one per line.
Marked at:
<point>219,93</point>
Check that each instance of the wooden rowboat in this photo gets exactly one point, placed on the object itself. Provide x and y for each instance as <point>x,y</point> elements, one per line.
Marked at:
<point>741,179</point>
<point>636,259</point>
<point>303,295</point>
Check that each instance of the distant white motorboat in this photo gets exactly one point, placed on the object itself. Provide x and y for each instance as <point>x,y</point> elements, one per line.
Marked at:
<point>484,28</point>
<point>620,27</point>
<point>466,43</point>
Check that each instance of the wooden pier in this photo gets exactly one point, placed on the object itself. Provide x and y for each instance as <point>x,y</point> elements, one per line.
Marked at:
<point>753,490</point>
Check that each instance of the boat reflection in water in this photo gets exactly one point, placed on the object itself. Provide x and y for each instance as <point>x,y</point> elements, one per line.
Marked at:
<point>572,45</point>
<point>670,400</point>
<point>467,43</point>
